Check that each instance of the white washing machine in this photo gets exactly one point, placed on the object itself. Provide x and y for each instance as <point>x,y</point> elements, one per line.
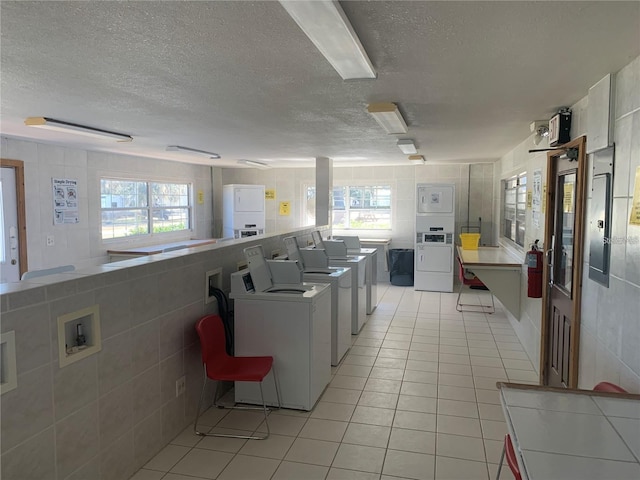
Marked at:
<point>352,243</point>
<point>291,323</point>
<point>340,280</point>
<point>435,246</point>
<point>337,257</point>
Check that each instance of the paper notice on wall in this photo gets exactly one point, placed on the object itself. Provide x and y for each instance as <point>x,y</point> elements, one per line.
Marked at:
<point>634,218</point>
<point>285,208</point>
<point>65,201</point>
<point>567,199</point>
<point>536,198</point>
<point>270,194</point>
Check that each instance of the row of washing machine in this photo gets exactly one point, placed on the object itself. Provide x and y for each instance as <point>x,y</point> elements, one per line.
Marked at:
<point>301,311</point>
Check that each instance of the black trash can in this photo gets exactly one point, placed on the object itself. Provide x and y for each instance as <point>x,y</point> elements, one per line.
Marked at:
<point>401,266</point>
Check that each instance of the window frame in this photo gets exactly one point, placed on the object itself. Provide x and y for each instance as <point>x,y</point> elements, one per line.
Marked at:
<point>369,194</point>
<point>513,209</point>
<point>153,212</point>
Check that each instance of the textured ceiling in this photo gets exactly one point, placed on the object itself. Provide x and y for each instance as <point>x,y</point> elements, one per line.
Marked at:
<point>242,80</point>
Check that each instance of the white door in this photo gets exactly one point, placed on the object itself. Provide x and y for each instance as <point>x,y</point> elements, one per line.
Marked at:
<point>9,258</point>
<point>249,199</point>
<point>434,258</point>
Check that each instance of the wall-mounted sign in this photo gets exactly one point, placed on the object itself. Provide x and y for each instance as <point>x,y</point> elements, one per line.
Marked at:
<point>536,200</point>
<point>285,208</point>
<point>529,198</point>
<point>270,194</point>
<point>200,197</point>
<point>544,199</point>
<point>65,201</point>
<point>634,219</point>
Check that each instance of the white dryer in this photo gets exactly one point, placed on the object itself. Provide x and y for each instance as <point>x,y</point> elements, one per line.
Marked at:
<point>291,323</point>
<point>435,227</point>
<point>340,280</point>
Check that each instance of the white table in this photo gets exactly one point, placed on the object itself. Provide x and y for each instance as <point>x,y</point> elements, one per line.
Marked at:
<point>499,270</point>
<point>572,434</point>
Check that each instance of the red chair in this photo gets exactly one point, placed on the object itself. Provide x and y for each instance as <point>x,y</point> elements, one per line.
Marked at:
<point>469,279</point>
<point>220,366</point>
<point>608,387</point>
<point>512,461</point>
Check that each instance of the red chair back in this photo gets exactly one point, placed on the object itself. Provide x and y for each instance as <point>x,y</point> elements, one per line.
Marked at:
<point>512,461</point>
<point>608,387</point>
<point>212,339</point>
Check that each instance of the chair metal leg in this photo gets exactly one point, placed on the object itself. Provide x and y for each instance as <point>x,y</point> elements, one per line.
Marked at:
<point>204,387</point>
<point>458,304</point>
<point>501,460</point>
<point>275,382</point>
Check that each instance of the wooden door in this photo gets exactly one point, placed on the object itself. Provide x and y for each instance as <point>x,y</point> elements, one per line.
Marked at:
<point>563,272</point>
<point>13,230</point>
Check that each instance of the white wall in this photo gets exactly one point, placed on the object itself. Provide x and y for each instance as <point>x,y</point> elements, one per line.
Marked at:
<point>288,184</point>
<point>403,180</point>
<point>81,244</point>
<point>610,333</point>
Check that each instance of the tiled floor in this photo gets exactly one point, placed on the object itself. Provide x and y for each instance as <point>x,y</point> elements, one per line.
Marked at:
<point>414,398</point>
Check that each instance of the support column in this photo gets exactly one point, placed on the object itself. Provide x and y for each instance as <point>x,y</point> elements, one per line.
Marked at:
<point>324,191</point>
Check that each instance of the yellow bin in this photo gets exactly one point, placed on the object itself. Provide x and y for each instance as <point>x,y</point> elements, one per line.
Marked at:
<point>469,240</point>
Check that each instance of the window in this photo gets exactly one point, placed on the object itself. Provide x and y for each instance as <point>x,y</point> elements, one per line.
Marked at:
<point>514,203</point>
<point>362,207</point>
<point>134,207</point>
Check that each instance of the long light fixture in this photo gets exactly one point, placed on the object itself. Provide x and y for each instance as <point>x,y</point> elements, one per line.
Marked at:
<point>407,146</point>
<point>389,117</point>
<point>327,26</point>
<point>68,127</point>
<point>253,163</point>
<point>178,148</point>
<point>417,159</point>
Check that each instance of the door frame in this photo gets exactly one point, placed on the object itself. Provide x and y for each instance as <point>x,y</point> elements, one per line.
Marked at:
<point>578,255</point>
<point>18,167</point>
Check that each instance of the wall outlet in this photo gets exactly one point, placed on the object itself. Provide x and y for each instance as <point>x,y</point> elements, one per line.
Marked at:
<point>51,241</point>
<point>181,386</point>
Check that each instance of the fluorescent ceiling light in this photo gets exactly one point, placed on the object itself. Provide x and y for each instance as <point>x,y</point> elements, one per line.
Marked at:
<point>253,163</point>
<point>327,26</point>
<point>388,116</point>
<point>178,148</point>
<point>68,127</point>
<point>407,146</point>
<point>417,159</point>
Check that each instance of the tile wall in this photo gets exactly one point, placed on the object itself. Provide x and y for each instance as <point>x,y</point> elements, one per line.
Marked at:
<point>106,415</point>
<point>80,244</point>
<point>610,327</point>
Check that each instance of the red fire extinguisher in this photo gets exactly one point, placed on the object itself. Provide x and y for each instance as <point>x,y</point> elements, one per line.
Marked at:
<point>534,271</point>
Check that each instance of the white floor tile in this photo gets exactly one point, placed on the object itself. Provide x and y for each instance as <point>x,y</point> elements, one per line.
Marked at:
<point>417,441</point>
<point>383,385</point>
<point>469,427</point>
<point>457,408</point>
<point>276,446</point>
<point>316,452</point>
<point>333,411</point>
<point>243,467</point>
<point>368,435</point>
<point>342,474</point>
<point>297,471</point>
<point>415,421</point>
<point>360,458</point>
<point>458,446</point>
<point>167,458</point>
<point>386,373</point>
<point>224,444</point>
<point>344,381</point>
<point>419,389</point>
<point>363,360</point>
<point>457,393</point>
<point>373,416</point>
<point>341,395</point>
<point>409,465</point>
<point>388,362</point>
<point>320,429</point>
<point>418,376</point>
<point>144,474</point>
<point>457,469</point>
<point>283,425</point>
<point>413,403</point>
<point>202,463</point>
<point>378,399</point>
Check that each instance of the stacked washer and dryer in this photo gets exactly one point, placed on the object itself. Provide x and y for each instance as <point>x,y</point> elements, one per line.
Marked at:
<point>435,227</point>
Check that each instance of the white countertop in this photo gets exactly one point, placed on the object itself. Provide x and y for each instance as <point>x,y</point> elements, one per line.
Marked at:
<point>564,434</point>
